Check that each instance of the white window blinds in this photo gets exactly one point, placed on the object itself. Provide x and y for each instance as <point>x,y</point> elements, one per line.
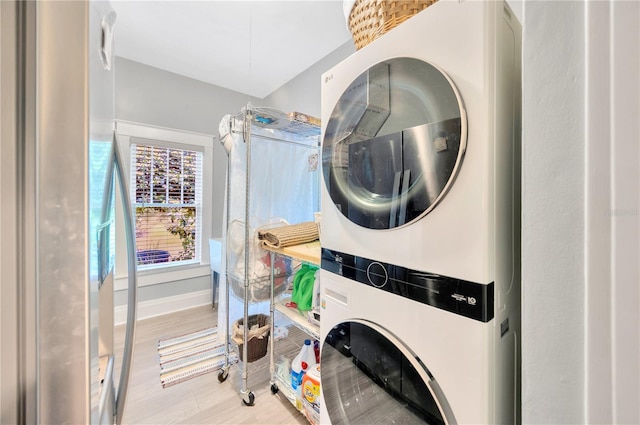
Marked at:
<point>166,193</point>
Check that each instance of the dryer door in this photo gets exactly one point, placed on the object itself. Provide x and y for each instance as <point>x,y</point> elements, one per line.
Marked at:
<point>369,376</point>
<point>394,143</point>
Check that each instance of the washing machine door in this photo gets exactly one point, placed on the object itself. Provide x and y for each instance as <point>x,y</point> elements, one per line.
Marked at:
<point>368,376</point>
<point>394,143</point>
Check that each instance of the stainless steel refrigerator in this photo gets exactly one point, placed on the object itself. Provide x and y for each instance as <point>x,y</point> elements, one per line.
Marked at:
<point>57,175</point>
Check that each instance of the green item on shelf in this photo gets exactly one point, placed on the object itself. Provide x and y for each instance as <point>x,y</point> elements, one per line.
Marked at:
<point>306,289</point>
<point>303,281</point>
<point>295,295</point>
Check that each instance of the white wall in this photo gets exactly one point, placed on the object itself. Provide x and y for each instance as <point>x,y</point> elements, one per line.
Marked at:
<point>553,213</point>
<point>581,209</point>
<point>302,93</point>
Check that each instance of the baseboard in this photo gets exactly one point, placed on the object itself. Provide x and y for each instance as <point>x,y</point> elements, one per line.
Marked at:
<point>159,307</point>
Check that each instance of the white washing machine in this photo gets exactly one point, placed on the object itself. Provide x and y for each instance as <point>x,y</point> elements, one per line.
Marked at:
<point>420,222</point>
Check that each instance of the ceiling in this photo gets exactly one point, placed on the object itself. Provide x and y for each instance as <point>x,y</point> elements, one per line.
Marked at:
<point>252,47</point>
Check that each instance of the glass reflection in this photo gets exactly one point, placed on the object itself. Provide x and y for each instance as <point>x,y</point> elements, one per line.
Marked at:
<point>393,143</point>
<point>367,379</point>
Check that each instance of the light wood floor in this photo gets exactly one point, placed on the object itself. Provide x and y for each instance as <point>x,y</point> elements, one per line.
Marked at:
<point>202,400</point>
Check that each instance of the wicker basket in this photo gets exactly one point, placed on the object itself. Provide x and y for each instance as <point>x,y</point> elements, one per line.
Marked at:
<point>369,19</point>
<point>256,346</point>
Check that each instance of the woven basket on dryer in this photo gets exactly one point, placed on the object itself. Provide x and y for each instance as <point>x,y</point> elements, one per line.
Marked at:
<point>369,19</point>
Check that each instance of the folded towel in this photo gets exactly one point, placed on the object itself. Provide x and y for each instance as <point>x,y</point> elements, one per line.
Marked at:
<point>294,234</point>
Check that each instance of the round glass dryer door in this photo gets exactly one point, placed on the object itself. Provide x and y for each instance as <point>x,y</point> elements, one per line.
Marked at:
<point>368,376</point>
<point>394,143</point>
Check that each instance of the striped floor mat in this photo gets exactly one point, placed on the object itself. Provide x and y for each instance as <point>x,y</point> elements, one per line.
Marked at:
<point>188,356</point>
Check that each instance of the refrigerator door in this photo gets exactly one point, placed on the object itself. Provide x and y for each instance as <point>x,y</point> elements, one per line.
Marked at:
<point>75,105</point>
<point>101,208</point>
<point>58,161</point>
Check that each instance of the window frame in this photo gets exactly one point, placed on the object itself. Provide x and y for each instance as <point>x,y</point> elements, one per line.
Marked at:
<point>129,133</point>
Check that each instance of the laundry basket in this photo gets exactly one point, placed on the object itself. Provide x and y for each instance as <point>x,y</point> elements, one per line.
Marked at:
<point>369,19</point>
<point>257,339</point>
<point>258,271</point>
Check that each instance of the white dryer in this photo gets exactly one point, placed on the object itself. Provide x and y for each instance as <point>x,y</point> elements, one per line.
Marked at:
<point>420,222</point>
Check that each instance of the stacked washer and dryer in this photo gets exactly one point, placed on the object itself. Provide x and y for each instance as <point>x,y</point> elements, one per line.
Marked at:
<point>420,222</point>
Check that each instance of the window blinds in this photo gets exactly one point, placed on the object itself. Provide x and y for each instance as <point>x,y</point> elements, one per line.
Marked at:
<point>166,192</point>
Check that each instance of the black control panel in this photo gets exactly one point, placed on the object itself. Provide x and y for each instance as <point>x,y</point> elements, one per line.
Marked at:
<point>469,299</point>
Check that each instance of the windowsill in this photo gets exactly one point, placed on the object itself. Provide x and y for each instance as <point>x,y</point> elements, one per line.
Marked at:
<point>161,275</point>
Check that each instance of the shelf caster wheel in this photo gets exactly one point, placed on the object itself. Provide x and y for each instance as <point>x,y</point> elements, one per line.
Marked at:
<point>251,398</point>
<point>223,375</point>
<point>274,389</point>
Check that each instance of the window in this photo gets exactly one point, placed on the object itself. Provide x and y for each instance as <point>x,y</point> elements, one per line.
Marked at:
<point>176,181</point>
<point>166,195</point>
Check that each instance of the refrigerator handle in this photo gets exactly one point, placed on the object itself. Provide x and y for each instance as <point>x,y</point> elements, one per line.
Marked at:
<point>127,357</point>
<point>107,386</point>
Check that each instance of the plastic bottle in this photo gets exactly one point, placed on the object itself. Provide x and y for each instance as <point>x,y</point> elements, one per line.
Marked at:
<point>316,350</point>
<point>296,373</point>
<point>315,300</point>
<point>305,360</point>
<point>306,285</point>
<point>311,394</point>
